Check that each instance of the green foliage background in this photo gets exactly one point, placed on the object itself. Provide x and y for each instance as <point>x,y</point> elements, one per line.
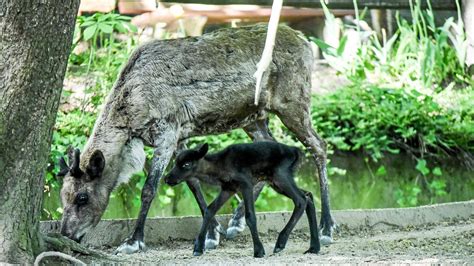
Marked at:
<point>408,94</point>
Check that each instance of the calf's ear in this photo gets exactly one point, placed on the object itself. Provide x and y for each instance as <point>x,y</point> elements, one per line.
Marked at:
<point>202,151</point>
<point>96,164</point>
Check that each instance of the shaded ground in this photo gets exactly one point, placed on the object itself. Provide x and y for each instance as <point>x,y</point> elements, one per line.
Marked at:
<point>434,243</point>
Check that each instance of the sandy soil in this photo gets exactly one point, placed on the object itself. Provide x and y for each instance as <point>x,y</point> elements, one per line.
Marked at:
<point>451,243</point>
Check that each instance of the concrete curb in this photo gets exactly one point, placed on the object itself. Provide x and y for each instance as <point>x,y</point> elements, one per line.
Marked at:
<point>113,232</point>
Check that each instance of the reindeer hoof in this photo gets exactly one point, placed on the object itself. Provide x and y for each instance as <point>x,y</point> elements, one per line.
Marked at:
<point>130,247</point>
<point>197,253</point>
<point>235,227</point>
<point>326,234</point>
<point>326,240</point>
<point>213,237</point>
<point>312,251</point>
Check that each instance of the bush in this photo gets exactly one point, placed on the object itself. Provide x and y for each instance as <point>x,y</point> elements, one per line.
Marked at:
<point>378,120</point>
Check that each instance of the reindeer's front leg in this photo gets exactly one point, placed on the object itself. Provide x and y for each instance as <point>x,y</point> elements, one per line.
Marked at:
<point>161,158</point>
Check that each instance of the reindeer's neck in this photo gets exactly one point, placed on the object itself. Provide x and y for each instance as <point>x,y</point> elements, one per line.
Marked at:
<point>112,142</point>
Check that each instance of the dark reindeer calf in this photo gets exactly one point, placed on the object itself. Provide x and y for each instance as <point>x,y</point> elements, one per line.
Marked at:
<point>238,168</point>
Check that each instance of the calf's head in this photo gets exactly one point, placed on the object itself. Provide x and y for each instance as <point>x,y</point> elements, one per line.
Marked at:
<point>186,165</point>
<point>84,199</point>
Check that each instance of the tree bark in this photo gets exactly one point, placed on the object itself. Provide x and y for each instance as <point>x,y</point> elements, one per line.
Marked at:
<point>35,41</point>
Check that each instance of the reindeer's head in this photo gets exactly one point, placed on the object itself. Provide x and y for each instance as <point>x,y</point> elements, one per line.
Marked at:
<point>83,197</point>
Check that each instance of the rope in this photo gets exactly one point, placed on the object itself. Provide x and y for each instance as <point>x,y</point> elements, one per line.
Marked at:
<point>268,49</point>
<point>57,254</point>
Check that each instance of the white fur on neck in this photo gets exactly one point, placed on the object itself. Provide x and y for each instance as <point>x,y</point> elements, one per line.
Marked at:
<point>133,160</point>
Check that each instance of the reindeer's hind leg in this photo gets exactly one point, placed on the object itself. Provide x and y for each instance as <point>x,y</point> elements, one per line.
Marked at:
<point>296,116</point>
<point>257,131</point>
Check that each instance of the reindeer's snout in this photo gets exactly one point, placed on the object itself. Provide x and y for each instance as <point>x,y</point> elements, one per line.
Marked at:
<point>69,234</point>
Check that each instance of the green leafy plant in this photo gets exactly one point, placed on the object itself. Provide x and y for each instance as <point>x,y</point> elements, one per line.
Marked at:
<point>419,55</point>
<point>378,120</point>
<point>407,195</point>
<point>98,28</point>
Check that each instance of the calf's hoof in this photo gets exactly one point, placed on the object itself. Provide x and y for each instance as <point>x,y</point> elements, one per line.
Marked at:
<point>197,253</point>
<point>312,251</point>
<point>236,226</point>
<point>130,247</point>
<point>278,249</point>
<point>259,254</point>
<point>213,237</point>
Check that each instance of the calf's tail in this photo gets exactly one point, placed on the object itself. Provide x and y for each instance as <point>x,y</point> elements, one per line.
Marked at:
<point>298,158</point>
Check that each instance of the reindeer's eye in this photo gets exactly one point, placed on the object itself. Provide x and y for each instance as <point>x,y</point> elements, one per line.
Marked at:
<point>81,199</point>
<point>187,165</point>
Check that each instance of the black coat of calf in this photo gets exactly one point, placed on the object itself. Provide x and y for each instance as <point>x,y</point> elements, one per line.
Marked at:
<point>238,168</point>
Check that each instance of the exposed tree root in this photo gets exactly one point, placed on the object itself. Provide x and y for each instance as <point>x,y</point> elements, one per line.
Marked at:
<point>65,248</point>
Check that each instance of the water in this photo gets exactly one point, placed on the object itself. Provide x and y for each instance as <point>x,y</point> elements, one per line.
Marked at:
<point>363,186</point>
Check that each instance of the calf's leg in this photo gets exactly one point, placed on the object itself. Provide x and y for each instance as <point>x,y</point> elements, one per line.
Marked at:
<point>237,222</point>
<point>284,184</point>
<point>209,214</point>
<point>212,236</point>
<point>251,219</point>
<point>257,131</point>
<point>314,245</point>
<point>297,119</point>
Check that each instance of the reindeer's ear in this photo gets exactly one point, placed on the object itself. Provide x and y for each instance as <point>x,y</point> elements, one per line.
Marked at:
<point>63,167</point>
<point>74,159</point>
<point>70,154</point>
<point>202,151</point>
<point>96,164</point>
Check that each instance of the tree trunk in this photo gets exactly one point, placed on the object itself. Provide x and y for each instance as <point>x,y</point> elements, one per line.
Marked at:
<point>468,19</point>
<point>35,41</point>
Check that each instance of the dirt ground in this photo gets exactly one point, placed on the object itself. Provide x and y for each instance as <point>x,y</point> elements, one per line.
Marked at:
<point>447,243</point>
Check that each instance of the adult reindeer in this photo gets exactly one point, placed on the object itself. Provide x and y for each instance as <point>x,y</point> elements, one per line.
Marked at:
<point>172,90</point>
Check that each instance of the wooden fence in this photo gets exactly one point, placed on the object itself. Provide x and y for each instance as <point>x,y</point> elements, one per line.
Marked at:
<point>333,4</point>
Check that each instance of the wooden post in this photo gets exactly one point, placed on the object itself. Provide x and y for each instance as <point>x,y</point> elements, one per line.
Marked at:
<point>376,16</point>
<point>468,19</point>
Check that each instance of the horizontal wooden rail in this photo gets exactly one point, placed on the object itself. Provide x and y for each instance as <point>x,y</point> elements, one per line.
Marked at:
<point>333,4</point>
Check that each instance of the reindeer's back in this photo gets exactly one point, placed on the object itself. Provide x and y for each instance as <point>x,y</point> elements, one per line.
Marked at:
<point>207,80</point>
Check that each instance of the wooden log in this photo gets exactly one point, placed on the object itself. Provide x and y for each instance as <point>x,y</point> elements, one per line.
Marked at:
<point>221,14</point>
<point>333,4</point>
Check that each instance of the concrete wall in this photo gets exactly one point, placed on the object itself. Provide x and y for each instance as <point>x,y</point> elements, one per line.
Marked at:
<point>113,232</point>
